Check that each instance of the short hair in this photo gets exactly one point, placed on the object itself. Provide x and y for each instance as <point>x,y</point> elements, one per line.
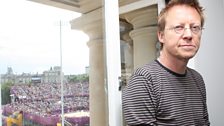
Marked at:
<point>191,3</point>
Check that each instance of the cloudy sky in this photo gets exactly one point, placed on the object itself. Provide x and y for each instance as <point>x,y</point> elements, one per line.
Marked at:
<point>30,39</point>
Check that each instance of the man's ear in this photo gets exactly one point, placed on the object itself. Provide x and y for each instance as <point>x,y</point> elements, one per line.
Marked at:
<point>160,35</point>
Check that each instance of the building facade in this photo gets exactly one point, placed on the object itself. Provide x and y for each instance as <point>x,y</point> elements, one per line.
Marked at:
<point>49,76</point>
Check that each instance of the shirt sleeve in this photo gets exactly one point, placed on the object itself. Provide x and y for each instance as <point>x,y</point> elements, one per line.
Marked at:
<point>138,102</point>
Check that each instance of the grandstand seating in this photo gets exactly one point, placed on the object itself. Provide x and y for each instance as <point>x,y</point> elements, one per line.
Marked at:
<point>41,103</point>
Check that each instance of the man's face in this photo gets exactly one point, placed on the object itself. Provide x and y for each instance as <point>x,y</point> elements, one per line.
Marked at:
<point>178,39</point>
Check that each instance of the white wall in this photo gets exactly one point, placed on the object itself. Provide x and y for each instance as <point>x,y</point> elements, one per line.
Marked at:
<point>210,59</point>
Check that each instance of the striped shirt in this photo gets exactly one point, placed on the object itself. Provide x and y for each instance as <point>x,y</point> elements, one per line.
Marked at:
<point>157,96</point>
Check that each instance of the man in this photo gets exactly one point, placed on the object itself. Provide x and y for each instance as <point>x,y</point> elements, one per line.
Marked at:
<point>166,92</point>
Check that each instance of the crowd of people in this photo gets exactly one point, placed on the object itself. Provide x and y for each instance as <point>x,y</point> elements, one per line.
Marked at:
<point>44,100</point>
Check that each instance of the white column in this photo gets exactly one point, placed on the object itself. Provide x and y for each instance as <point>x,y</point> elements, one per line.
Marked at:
<point>127,49</point>
<point>128,54</point>
<point>91,24</point>
<point>144,34</point>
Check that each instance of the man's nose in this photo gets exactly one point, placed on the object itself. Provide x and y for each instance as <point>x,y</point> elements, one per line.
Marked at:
<point>187,33</point>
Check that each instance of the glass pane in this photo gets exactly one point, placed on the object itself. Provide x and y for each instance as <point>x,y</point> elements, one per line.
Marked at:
<point>40,56</point>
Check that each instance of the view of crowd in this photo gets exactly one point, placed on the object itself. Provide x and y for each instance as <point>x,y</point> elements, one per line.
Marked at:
<point>43,101</point>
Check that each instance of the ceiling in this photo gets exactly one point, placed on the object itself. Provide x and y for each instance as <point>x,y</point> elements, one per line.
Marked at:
<point>81,6</point>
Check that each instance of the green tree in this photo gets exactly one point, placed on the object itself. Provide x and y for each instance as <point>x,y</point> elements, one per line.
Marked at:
<point>5,92</point>
<point>79,78</point>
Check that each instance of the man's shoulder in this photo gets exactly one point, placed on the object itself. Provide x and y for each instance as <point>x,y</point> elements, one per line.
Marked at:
<point>147,69</point>
<point>194,72</point>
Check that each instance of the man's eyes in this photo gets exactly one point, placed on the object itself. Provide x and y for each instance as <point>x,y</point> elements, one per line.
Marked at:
<point>179,27</point>
<point>196,28</point>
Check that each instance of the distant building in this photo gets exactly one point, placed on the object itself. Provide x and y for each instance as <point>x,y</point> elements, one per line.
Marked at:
<point>36,79</point>
<point>49,76</point>
<point>87,70</point>
<point>8,77</point>
<point>52,75</point>
<point>23,78</point>
<point>9,71</point>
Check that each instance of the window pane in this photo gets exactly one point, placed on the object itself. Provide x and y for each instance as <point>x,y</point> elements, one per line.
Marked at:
<point>37,45</point>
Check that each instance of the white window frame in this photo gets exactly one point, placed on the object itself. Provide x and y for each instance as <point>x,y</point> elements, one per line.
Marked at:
<point>113,58</point>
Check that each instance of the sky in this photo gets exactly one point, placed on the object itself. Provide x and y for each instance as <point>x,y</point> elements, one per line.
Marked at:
<point>30,39</point>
